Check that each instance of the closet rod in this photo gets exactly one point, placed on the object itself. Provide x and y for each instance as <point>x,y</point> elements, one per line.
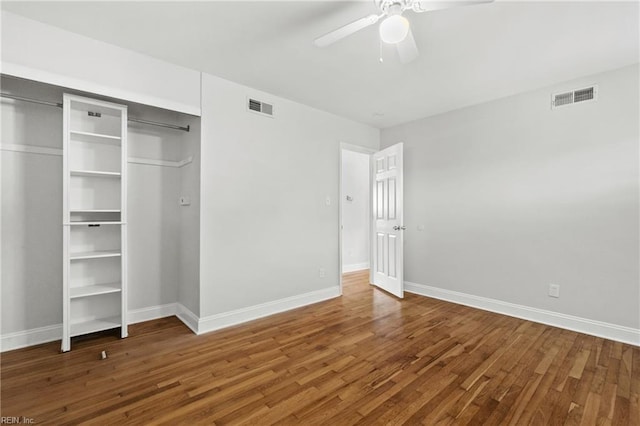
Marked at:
<point>33,101</point>
<point>55,104</point>
<point>155,123</point>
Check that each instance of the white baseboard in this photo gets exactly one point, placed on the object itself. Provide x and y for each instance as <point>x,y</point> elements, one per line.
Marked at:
<point>355,267</point>
<point>151,313</point>
<point>34,336</point>
<point>582,325</point>
<point>51,333</point>
<point>238,316</point>
<point>187,317</point>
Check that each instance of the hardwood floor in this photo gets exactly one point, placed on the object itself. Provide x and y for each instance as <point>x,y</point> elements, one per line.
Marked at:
<point>365,358</point>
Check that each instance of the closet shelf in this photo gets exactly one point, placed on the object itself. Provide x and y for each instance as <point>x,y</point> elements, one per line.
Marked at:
<point>95,173</point>
<point>94,211</point>
<point>94,290</point>
<point>94,254</point>
<point>93,326</point>
<point>33,149</point>
<point>104,222</point>
<point>94,137</point>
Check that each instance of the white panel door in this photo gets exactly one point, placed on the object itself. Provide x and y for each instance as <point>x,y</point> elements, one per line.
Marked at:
<point>386,241</point>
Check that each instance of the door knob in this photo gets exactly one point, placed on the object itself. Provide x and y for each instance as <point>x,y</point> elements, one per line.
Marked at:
<point>397,228</point>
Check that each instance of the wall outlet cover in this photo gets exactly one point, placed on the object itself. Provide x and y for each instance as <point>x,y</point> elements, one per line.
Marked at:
<point>554,290</point>
<point>185,200</point>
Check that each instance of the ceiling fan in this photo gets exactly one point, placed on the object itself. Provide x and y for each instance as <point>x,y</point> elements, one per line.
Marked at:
<point>394,28</point>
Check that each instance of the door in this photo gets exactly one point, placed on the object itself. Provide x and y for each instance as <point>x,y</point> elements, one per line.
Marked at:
<point>386,241</point>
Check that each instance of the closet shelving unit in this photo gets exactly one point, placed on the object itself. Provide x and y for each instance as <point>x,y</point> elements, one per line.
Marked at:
<point>94,217</point>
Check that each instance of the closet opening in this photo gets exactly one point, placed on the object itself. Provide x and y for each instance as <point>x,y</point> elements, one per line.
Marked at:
<point>163,208</point>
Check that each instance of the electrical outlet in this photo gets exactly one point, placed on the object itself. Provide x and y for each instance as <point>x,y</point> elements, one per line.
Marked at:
<point>554,290</point>
<point>327,200</point>
<point>185,200</point>
<point>420,227</point>
<point>321,272</point>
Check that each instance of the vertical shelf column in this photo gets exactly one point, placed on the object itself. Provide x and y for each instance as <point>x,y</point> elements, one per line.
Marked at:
<point>94,217</point>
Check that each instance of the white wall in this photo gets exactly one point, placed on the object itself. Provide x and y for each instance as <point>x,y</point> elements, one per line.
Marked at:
<point>31,214</point>
<point>355,213</point>
<point>189,238</point>
<point>515,196</point>
<point>265,227</point>
<point>36,51</point>
<point>31,211</point>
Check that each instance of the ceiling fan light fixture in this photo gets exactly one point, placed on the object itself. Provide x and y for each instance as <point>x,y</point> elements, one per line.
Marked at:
<point>394,29</point>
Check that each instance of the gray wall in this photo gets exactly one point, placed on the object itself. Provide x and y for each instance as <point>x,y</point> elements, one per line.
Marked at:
<point>265,227</point>
<point>514,196</point>
<point>189,239</point>
<point>31,212</point>
<point>154,215</point>
<point>355,213</point>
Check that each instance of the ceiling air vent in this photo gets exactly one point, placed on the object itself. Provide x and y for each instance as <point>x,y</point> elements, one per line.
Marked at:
<point>574,97</point>
<point>259,107</point>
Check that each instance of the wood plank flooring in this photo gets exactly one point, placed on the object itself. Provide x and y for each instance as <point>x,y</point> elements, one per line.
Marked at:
<point>365,358</point>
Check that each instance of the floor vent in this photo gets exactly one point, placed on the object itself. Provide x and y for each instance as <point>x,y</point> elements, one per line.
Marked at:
<point>574,96</point>
<point>259,107</point>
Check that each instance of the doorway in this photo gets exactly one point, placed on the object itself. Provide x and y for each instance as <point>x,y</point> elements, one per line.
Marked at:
<point>355,209</point>
<point>371,232</point>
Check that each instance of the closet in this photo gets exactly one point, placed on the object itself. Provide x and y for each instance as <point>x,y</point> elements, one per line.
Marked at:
<point>125,247</point>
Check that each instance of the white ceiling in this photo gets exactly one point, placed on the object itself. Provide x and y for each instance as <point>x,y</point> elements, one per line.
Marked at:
<point>469,55</point>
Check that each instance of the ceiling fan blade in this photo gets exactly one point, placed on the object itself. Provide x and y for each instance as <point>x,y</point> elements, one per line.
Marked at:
<point>347,30</point>
<point>407,49</point>
<point>427,6</point>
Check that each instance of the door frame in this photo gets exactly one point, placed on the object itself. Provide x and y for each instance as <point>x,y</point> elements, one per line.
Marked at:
<point>361,150</point>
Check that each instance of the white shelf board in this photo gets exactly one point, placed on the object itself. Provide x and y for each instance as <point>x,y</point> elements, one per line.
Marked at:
<point>30,149</point>
<point>97,223</point>
<point>95,173</point>
<point>33,149</point>
<point>94,211</point>
<point>94,254</point>
<point>86,327</point>
<point>94,290</point>
<point>94,137</point>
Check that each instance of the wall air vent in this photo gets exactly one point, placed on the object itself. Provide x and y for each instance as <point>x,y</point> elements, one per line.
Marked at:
<point>583,95</point>
<point>574,96</point>
<point>259,107</point>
